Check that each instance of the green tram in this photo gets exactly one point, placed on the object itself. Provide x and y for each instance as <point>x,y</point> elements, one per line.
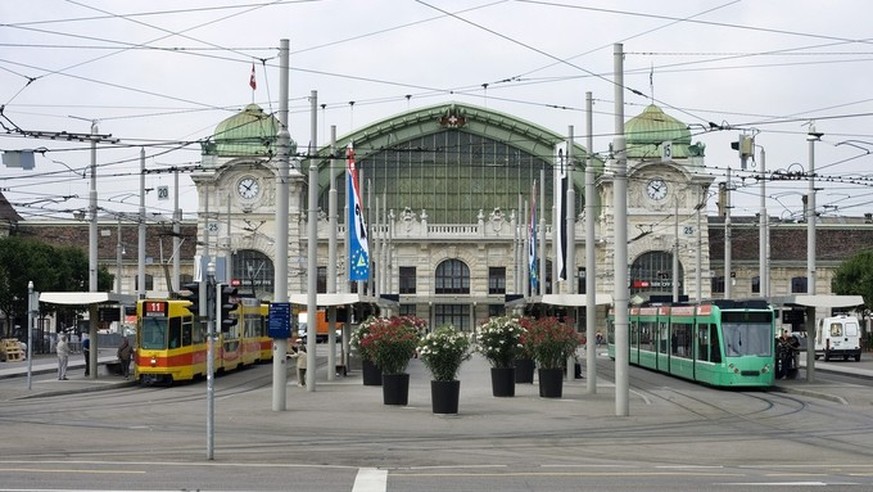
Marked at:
<point>721,343</point>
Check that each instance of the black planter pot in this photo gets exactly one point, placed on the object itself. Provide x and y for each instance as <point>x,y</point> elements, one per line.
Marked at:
<point>524,370</point>
<point>551,383</point>
<point>372,373</point>
<point>395,389</point>
<point>503,381</point>
<point>444,396</point>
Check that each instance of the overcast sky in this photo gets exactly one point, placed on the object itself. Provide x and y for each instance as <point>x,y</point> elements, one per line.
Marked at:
<point>163,74</point>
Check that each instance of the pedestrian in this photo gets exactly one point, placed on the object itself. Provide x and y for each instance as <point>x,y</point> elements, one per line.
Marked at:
<point>63,350</point>
<point>298,351</point>
<point>125,351</point>
<point>86,350</point>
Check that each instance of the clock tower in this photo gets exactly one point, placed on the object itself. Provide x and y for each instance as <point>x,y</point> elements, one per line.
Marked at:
<point>237,195</point>
<point>667,193</point>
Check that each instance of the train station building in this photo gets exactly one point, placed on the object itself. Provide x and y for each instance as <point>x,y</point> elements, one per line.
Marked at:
<point>448,193</point>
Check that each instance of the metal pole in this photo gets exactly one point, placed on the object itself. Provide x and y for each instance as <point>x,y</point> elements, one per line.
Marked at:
<point>621,293</point>
<point>210,306</point>
<point>675,274</point>
<point>541,271</point>
<point>763,220</point>
<point>280,287</point>
<point>590,254</point>
<point>570,286</point>
<point>312,256</point>
<point>141,290</point>
<point>812,137</point>
<point>92,211</point>
<point>699,255</point>
<point>727,237</point>
<point>30,309</point>
<point>331,265</point>
<point>572,271</point>
<point>177,229</point>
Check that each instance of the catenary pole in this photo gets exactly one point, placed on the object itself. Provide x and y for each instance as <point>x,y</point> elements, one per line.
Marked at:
<point>764,223</point>
<point>280,287</point>
<point>621,294</point>
<point>728,267</point>
<point>312,254</point>
<point>590,254</point>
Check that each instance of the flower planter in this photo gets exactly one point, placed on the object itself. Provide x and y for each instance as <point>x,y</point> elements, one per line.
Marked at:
<point>395,389</point>
<point>372,374</point>
<point>444,396</point>
<point>503,381</point>
<point>524,370</point>
<point>551,383</point>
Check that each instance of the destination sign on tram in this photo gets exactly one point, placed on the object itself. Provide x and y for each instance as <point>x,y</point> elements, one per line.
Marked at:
<point>154,308</point>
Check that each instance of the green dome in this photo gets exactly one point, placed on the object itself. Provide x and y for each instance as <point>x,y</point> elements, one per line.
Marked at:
<point>648,130</point>
<point>250,132</point>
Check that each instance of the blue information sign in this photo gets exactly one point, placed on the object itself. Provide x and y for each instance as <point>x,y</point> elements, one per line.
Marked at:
<point>280,320</point>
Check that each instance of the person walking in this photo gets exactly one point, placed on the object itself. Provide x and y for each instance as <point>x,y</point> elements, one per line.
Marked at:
<point>125,351</point>
<point>86,351</point>
<point>63,351</point>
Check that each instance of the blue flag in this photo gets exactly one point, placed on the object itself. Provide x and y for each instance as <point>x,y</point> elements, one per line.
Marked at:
<point>532,238</point>
<point>359,250</point>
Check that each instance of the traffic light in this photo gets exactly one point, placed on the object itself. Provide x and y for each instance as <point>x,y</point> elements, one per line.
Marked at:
<point>191,293</point>
<point>227,302</point>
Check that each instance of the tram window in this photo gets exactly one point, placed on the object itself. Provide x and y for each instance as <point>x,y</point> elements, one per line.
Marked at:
<point>646,336</point>
<point>703,342</point>
<point>198,333</point>
<point>662,339</point>
<point>714,344</point>
<point>186,332</point>
<point>681,340</point>
<point>175,333</point>
<point>152,333</point>
<point>634,332</point>
<point>749,338</point>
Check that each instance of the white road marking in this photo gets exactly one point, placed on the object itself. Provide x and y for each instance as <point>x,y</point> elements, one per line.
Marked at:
<point>371,480</point>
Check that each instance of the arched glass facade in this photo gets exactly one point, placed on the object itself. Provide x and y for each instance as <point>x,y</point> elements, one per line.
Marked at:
<point>652,272</point>
<point>255,272</point>
<point>452,175</point>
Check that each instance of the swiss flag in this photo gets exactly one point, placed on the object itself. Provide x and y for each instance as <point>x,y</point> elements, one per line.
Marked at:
<point>252,82</point>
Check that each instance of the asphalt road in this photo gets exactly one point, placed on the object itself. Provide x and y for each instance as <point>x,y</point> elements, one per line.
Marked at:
<point>679,436</point>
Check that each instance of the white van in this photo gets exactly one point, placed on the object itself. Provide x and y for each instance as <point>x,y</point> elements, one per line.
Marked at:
<point>838,336</point>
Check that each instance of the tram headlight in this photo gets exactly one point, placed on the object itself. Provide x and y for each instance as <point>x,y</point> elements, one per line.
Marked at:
<point>765,369</point>
<point>154,362</point>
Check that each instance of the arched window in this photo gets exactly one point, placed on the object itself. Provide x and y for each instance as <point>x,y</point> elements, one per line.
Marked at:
<point>452,277</point>
<point>255,272</point>
<point>652,272</point>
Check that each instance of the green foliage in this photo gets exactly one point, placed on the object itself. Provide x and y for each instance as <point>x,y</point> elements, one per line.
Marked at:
<point>855,277</point>
<point>551,342</point>
<point>49,268</point>
<point>443,351</point>
<point>391,342</point>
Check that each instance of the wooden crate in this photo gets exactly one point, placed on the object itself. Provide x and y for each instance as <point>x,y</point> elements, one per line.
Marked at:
<point>11,350</point>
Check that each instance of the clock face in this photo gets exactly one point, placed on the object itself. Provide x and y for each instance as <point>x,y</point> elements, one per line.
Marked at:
<point>248,188</point>
<point>656,189</point>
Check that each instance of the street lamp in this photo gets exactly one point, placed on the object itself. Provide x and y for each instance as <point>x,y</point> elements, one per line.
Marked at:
<point>812,137</point>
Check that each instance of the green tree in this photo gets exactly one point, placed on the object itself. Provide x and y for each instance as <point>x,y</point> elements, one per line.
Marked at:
<point>855,277</point>
<point>63,269</point>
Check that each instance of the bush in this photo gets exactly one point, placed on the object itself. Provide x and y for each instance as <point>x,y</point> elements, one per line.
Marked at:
<point>499,340</point>
<point>443,351</point>
<point>551,342</point>
<point>391,342</point>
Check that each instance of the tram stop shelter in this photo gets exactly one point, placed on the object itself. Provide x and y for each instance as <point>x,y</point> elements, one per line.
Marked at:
<point>810,303</point>
<point>93,301</point>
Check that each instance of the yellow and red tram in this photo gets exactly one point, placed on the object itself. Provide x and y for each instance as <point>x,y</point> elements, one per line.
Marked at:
<point>171,345</point>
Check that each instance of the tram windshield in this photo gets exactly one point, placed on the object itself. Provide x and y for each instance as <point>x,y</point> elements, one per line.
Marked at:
<point>747,335</point>
<point>153,333</point>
